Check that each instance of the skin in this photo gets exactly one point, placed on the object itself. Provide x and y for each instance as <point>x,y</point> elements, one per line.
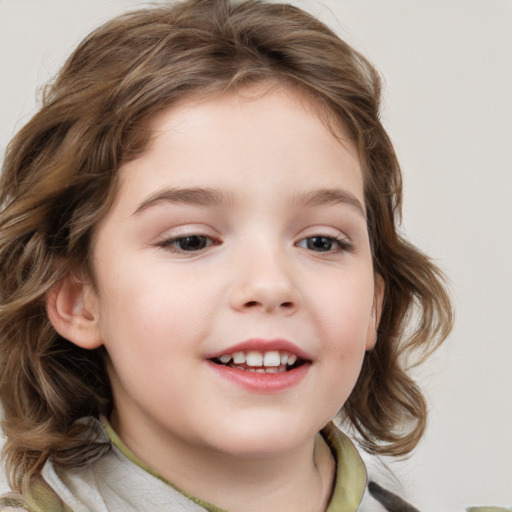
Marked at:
<point>162,310</point>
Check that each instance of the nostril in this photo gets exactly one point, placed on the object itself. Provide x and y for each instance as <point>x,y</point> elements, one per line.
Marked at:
<point>268,305</point>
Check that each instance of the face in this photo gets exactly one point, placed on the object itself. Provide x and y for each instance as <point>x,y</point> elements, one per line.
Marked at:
<point>235,292</point>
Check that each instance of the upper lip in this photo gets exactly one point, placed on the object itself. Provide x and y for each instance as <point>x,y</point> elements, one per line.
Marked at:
<point>263,345</point>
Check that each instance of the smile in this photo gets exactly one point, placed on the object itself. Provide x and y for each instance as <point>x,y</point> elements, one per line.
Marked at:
<point>272,361</point>
<point>262,365</point>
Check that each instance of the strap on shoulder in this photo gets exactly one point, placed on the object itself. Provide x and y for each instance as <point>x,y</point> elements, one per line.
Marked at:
<point>388,500</point>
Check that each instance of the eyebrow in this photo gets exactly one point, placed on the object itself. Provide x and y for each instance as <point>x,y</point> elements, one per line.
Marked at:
<point>211,197</point>
<point>191,196</point>
<point>329,196</point>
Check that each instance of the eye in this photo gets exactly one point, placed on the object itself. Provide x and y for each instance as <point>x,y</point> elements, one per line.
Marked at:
<point>189,243</point>
<point>321,243</point>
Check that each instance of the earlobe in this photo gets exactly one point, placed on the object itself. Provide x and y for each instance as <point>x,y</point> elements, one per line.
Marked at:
<point>373,324</point>
<point>71,306</point>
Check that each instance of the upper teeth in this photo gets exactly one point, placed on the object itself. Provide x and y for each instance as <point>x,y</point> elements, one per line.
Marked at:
<point>255,358</point>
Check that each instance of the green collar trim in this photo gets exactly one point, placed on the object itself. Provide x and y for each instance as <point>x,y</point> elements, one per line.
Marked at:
<point>350,481</point>
<point>40,497</point>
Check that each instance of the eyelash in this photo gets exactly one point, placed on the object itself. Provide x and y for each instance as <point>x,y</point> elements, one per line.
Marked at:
<point>171,243</point>
<point>343,244</point>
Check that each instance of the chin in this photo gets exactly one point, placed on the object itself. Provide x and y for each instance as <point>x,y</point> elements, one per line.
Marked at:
<point>263,437</point>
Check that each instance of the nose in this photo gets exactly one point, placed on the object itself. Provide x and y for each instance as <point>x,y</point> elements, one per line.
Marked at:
<point>265,283</point>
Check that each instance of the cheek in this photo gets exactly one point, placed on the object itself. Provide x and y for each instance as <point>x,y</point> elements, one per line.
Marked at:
<point>344,316</point>
<point>346,309</point>
<point>153,313</point>
<point>143,334</point>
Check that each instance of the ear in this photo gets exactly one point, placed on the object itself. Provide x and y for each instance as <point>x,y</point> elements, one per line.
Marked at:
<point>373,324</point>
<point>72,308</point>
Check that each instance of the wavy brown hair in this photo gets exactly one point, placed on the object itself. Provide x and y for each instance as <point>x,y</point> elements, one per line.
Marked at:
<point>59,179</point>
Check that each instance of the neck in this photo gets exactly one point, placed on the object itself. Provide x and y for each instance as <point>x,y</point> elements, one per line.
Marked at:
<point>298,481</point>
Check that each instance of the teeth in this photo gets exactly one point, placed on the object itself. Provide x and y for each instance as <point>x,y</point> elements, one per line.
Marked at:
<point>270,369</point>
<point>239,357</point>
<point>254,359</point>
<point>271,360</point>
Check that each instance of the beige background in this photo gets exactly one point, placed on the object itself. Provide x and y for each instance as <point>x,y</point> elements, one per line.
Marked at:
<point>447,66</point>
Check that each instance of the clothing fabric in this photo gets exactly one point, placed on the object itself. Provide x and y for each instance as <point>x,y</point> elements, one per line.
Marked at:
<point>120,482</point>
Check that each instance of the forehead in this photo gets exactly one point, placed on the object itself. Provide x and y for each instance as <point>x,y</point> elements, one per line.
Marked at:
<point>225,138</point>
<point>284,92</point>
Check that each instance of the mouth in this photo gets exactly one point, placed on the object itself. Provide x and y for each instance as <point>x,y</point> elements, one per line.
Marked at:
<point>261,365</point>
<point>271,361</point>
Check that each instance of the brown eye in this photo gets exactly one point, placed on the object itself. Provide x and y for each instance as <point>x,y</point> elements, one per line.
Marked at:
<point>190,243</point>
<point>320,243</point>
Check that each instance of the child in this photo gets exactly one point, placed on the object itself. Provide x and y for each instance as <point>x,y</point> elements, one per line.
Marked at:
<point>200,268</point>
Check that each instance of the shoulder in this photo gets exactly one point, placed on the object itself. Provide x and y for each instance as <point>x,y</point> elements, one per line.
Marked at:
<point>12,502</point>
<point>39,497</point>
<point>386,500</point>
<point>384,492</point>
<point>366,478</point>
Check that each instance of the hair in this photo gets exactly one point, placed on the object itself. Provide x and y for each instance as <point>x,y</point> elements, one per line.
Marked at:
<point>59,180</point>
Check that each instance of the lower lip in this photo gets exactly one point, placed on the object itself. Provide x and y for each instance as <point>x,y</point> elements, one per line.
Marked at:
<point>262,382</point>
